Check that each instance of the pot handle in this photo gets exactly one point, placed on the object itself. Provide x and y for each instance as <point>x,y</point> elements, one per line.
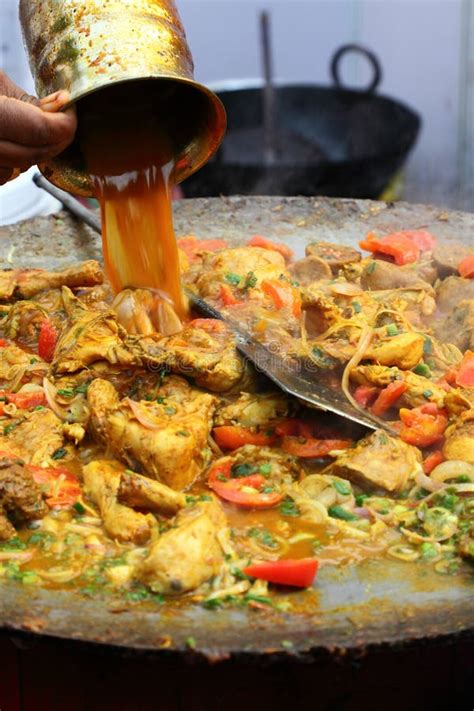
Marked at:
<point>370,56</point>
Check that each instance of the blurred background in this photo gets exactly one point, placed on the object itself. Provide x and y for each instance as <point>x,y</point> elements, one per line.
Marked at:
<point>425,48</point>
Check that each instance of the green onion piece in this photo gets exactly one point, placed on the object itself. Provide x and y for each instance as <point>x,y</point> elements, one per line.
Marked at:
<point>427,394</point>
<point>360,499</point>
<point>59,453</point>
<point>342,487</point>
<point>422,369</point>
<point>66,393</point>
<point>232,278</point>
<point>241,470</point>
<point>78,508</point>
<point>265,468</point>
<point>289,508</point>
<point>392,329</point>
<point>339,512</point>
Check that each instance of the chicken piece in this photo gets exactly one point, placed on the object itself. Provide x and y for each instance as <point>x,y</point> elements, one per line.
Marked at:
<point>414,396</point>
<point>253,410</point>
<point>17,366</point>
<point>459,443</point>
<point>319,310</point>
<point>378,461</point>
<point>19,495</point>
<point>102,484</point>
<point>145,493</point>
<point>189,554</point>
<point>335,255</point>
<point>167,439</point>
<point>379,275</point>
<point>89,336</point>
<point>310,269</point>
<point>25,283</point>
<point>404,350</point>
<point>241,261</point>
<point>205,350</point>
<point>447,256</point>
<point>34,438</point>
<point>144,312</point>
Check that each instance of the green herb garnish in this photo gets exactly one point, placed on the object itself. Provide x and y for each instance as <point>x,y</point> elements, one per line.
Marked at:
<point>422,369</point>
<point>289,508</point>
<point>232,278</point>
<point>342,514</point>
<point>392,329</point>
<point>342,487</point>
<point>59,453</point>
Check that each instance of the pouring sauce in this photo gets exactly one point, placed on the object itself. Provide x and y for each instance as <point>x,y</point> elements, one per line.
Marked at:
<point>131,162</point>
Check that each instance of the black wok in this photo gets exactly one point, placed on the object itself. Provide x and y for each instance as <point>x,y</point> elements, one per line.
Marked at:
<point>335,141</point>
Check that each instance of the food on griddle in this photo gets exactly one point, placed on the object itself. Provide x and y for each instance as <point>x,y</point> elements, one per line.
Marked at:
<point>149,464</point>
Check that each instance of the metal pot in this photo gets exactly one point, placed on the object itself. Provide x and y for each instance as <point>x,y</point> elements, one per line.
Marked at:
<point>348,143</point>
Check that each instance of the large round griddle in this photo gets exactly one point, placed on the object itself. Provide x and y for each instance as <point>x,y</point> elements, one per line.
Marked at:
<point>353,608</point>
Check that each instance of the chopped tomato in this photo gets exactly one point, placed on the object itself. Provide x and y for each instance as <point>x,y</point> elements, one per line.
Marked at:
<point>423,426</point>
<point>466,267</point>
<point>193,247</point>
<point>245,491</point>
<point>282,294</point>
<point>365,394</point>
<point>48,337</point>
<point>388,397</point>
<point>423,239</point>
<point>396,245</point>
<point>432,461</point>
<point>259,241</point>
<point>211,325</point>
<point>308,448</point>
<point>61,486</point>
<point>227,297</point>
<point>294,427</point>
<point>3,343</point>
<point>234,436</point>
<point>25,400</point>
<point>465,372</point>
<point>295,573</point>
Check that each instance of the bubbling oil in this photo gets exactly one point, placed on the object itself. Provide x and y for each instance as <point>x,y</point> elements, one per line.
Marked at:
<point>131,161</point>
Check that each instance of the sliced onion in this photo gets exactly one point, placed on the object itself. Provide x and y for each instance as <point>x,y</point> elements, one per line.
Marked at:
<point>50,394</point>
<point>345,288</point>
<point>63,575</point>
<point>20,556</point>
<point>403,552</point>
<point>365,339</point>
<point>427,482</point>
<point>452,469</point>
<point>30,388</point>
<point>142,417</point>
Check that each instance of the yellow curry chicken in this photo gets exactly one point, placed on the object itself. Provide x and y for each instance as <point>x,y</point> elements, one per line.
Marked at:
<point>141,456</point>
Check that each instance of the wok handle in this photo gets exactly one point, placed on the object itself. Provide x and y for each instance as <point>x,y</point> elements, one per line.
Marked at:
<point>370,56</point>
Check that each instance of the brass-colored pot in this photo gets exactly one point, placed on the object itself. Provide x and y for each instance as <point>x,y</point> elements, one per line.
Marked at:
<point>112,55</point>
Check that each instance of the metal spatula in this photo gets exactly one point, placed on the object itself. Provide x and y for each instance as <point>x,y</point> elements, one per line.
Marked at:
<point>287,374</point>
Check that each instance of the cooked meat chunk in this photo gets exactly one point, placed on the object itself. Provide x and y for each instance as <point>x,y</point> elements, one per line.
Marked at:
<point>404,350</point>
<point>414,396</point>
<point>459,442</point>
<point>89,336</point>
<point>25,283</point>
<point>102,483</point>
<point>447,256</point>
<point>205,350</point>
<point>310,269</point>
<point>144,493</point>
<point>240,262</point>
<point>320,310</point>
<point>167,439</point>
<point>140,311</point>
<point>19,496</point>
<point>253,410</point>
<point>335,255</point>
<point>35,438</point>
<point>458,327</point>
<point>379,461</point>
<point>189,554</point>
<point>379,275</point>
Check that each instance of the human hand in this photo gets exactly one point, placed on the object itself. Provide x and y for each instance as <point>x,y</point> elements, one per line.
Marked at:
<point>31,131</point>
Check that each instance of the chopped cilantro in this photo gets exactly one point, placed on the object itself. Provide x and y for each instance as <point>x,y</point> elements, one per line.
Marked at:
<point>264,536</point>
<point>449,501</point>
<point>288,507</point>
<point>342,514</point>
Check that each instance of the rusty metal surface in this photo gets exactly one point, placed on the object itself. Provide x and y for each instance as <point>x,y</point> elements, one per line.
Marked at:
<point>351,609</point>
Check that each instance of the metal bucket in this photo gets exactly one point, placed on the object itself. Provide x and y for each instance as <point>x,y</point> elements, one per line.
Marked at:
<point>107,53</point>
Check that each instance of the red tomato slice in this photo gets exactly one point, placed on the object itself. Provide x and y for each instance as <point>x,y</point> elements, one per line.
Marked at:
<point>48,337</point>
<point>397,245</point>
<point>282,294</point>
<point>235,490</point>
<point>295,573</point>
<point>432,461</point>
<point>62,494</point>
<point>233,437</point>
<point>423,239</point>
<point>308,448</point>
<point>388,397</point>
<point>259,241</point>
<point>364,395</point>
<point>3,343</point>
<point>192,246</point>
<point>227,297</point>
<point>423,426</point>
<point>294,427</point>
<point>466,267</point>
<point>465,372</point>
<point>25,400</point>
